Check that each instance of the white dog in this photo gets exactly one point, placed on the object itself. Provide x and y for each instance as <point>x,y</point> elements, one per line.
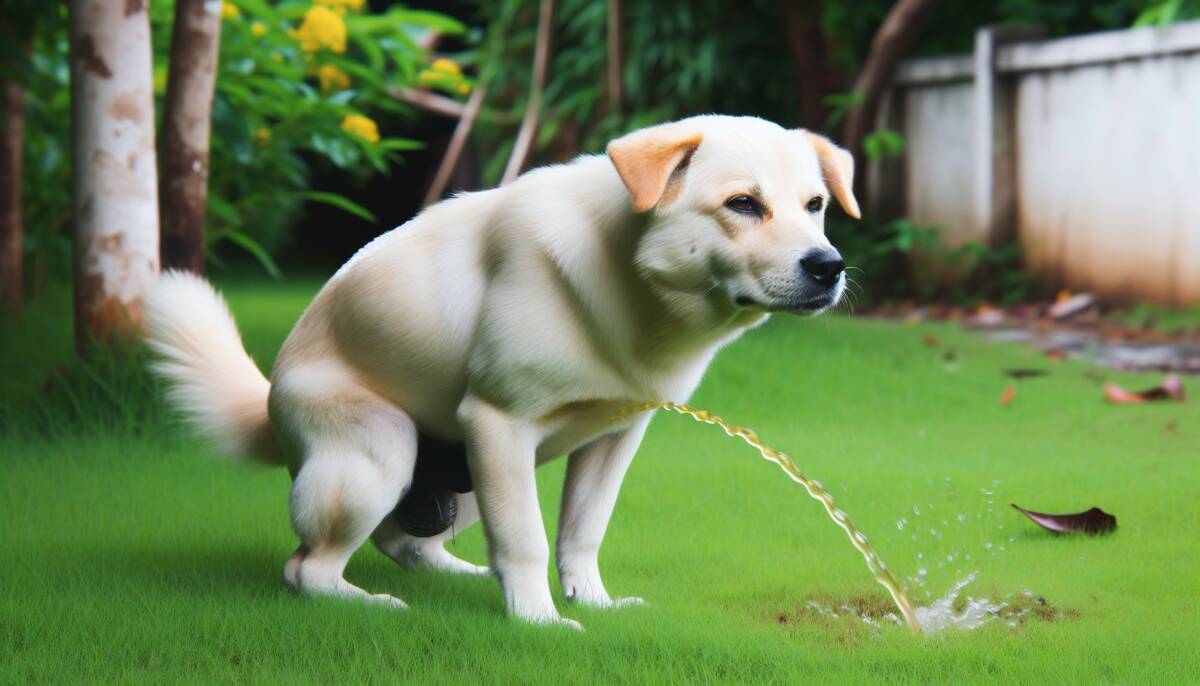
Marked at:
<point>501,329</point>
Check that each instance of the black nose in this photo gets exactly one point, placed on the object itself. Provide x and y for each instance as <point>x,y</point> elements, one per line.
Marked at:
<point>823,266</point>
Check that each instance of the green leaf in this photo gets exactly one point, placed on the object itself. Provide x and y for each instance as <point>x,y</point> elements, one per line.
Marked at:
<point>254,248</point>
<point>339,202</point>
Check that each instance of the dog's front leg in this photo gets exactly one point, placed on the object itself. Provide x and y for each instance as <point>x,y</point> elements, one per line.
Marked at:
<point>501,452</point>
<point>594,475</point>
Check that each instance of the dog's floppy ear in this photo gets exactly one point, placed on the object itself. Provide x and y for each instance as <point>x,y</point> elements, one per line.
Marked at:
<point>646,159</point>
<point>837,166</point>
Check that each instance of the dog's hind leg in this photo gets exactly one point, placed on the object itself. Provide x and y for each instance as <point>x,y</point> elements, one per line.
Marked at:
<point>357,459</point>
<point>430,552</point>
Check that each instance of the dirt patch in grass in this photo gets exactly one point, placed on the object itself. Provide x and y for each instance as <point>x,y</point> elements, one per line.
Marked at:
<point>873,611</point>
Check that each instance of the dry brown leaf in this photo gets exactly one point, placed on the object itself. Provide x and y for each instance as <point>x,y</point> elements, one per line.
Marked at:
<point>1094,521</point>
<point>1170,389</point>
<point>1007,396</point>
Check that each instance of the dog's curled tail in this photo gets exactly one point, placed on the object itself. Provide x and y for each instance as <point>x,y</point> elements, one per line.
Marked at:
<point>212,379</point>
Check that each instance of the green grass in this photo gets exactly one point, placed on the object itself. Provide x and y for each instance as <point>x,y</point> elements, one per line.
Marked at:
<point>131,554</point>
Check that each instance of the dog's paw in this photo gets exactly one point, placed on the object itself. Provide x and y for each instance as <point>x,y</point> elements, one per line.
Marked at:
<point>556,621</point>
<point>604,602</point>
<point>385,600</point>
<point>628,601</point>
<point>569,623</point>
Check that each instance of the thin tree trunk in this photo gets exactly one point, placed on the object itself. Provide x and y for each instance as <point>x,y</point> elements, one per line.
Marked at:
<point>115,182</point>
<point>457,141</point>
<point>187,116</point>
<point>895,37</point>
<point>615,58</point>
<point>12,139</point>
<point>802,25</point>
<point>541,60</point>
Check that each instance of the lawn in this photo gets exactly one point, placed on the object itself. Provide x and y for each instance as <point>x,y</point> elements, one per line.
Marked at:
<point>133,554</point>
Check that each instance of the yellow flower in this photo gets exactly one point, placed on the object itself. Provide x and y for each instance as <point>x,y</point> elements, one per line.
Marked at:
<point>258,28</point>
<point>363,127</point>
<point>446,66</point>
<point>262,136</point>
<point>322,28</point>
<point>444,73</point>
<point>340,6</point>
<point>229,10</point>
<point>332,78</point>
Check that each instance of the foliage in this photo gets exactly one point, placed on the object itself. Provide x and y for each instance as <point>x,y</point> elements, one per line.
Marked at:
<point>298,85</point>
<point>897,259</point>
<point>681,57</point>
<point>1167,320</point>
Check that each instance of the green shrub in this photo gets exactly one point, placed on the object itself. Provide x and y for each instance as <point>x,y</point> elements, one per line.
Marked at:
<point>298,84</point>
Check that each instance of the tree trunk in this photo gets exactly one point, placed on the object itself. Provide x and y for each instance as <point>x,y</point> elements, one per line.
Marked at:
<point>896,36</point>
<point>115,183</point>
<point>533,107</point>
<point>802,25</point>
<point>187,116</point>
<point>616,61</point>
<point>12,139</point>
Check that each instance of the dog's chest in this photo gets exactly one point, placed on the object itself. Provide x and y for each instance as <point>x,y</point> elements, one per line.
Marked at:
<point>573,424</point>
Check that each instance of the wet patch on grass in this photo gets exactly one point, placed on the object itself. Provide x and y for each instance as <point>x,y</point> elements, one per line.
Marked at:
<point>875,611</point>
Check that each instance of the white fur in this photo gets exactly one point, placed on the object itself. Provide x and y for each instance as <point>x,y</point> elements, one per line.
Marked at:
<point>518,320</point>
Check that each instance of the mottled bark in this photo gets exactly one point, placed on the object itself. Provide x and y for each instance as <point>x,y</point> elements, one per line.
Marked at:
<point>115,181</point>
<point>894,39</point>
<point>187,116</point>
<point>12,139</point>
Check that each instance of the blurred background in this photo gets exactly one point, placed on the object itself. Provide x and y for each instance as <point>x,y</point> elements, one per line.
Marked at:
<point>1007,150</point>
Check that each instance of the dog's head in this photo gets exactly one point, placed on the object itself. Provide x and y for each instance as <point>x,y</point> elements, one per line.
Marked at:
<point>738,211</point>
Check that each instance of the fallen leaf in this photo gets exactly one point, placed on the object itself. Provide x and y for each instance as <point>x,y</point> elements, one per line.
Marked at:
<point>1094,521</point>
<point>1056,355</point>
<point>1022,373</point>
<point>1171,426</point>
<point>1173,385</point>
<point>1072,305</point>
<point>931,340</point>
<point>1009,393</point>
<point>1119,396</point>
<point>1170,389</point>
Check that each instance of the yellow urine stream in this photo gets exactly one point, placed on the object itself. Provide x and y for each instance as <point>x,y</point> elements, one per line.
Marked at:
<point>878,569</point>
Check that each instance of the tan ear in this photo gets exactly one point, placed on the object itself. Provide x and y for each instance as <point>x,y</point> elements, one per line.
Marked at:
<point>837,165</point>
<point>645,159</point>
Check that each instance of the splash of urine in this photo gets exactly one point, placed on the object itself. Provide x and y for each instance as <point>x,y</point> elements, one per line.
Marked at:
<point>878,569</point>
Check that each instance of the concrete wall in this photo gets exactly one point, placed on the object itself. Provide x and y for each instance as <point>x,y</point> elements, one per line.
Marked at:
<point>1085,149</point>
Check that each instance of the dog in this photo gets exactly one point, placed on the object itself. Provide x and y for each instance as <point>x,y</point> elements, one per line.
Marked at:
<point>500,329</point>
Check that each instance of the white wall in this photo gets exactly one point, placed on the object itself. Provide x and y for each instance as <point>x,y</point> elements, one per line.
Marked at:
<point>938,162</point>
<point>1108,177</point>
<point>1102,175</point>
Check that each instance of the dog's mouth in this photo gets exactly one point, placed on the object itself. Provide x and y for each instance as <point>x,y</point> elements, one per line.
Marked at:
<point>806,306</point>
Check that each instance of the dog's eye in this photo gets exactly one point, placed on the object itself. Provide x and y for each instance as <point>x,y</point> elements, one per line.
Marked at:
<point>745,204</point>
<point>815,204</point>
